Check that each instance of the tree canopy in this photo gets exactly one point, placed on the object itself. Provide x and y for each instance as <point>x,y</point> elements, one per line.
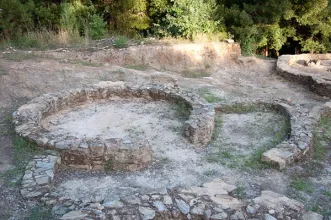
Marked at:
<point>269,25</point>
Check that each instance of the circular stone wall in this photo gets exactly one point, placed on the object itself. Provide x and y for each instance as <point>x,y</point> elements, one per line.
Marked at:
<point>113,153</point>
<point>313,70</point>
<point>300,124</point>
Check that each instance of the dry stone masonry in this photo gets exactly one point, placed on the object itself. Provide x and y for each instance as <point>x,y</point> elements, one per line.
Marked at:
<point>301,124</point>
<point>39,175</point>
<point>212,201</point>
<point>112,153</point>
<point>319,81</point>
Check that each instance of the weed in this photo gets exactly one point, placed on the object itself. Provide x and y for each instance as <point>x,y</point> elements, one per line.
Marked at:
<point>241,108</point>
<point>107,166</point>
<point>23,151</point>
<point>233,160</point>
<point>301,185</point>
<point>39,213</point>
<point>218,121</point>
<point>227,155</point>
<point>327,193</point>
<point>138,67</point>
<point>182,110</point>
<point>322,136</point>
<point>240,192</point>
<point>121,42</point>
<point>209,96</point>
<point>195,73</point>
<point>210,172</point>
<point>254,161</point>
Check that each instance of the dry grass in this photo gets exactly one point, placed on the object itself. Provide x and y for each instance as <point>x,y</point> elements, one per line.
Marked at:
<point>46,39</point>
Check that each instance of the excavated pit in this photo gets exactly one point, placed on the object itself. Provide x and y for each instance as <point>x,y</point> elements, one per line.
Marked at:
<point>103,127</point>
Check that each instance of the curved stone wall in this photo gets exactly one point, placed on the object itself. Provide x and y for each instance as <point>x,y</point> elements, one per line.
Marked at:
<point>114,153</point>
<point>300,129</point>
<point>319,83</point>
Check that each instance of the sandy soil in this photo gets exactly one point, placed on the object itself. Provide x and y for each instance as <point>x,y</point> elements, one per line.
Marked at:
<point>176,163</point>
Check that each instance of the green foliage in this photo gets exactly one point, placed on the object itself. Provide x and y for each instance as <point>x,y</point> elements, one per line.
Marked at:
<point>15,18</point>
<point>301,185</point>
<point>129,16</point>
<point>240,192</point>
<point>39,213</point>
<point>182,110</point>
<point>187,18</point>
<point>97,27</point>
<point>255,25</point>
<point>209,96</point>
<point>121,42</point>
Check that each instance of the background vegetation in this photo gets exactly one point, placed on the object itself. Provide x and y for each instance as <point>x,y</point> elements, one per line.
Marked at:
<point>270,27</point>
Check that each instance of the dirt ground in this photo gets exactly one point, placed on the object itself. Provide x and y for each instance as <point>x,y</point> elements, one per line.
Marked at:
<point>176,163</point>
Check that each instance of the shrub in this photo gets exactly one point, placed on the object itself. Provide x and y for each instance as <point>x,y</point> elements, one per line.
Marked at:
<point>121,42</point>
<point>97,27</point>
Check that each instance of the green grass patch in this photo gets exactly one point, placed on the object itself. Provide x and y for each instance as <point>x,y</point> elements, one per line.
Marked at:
<point>210,172</point>
<point>23,151</point>
<point>239,192</point>
<point>107,166</point>
<point>301,185</point>
<point>322,138</point>
<point>182,110</point>
<point>39,213</point>
<point>209,96</point>
<point>195,73</point>
<point>327,193</point>
<point>121,42</point>
<point>218,154</point>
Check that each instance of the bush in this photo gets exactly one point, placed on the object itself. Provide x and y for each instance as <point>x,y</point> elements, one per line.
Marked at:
<point>121,42</point>
<point>187,18</point>
<point>97,27</point>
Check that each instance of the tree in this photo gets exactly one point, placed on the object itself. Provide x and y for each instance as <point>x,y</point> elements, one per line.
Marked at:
<point>187,18</point>
<point>129,16</point>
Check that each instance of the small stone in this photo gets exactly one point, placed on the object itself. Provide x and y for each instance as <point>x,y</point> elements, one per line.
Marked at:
<point>145,197</point>
<point>133,200</point>
<point>96,206</point>
<point>159,206</point>
<point>167,200</point>
<point>218,216</point>
<point>250,210</point>
<point>155,197</point>
<point>272,212</point>
<point>42,180</point>
<point>198,209</point>
<point>74,215</point>
<point>113,204</point>
<point>183,206</point>
<point>237,216</point>
<point>269,217</point>
<point>146,213</point>
<point>59,210</point>
<point>208,213</point>
<point>68,203</point>
<point>71,208</point>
